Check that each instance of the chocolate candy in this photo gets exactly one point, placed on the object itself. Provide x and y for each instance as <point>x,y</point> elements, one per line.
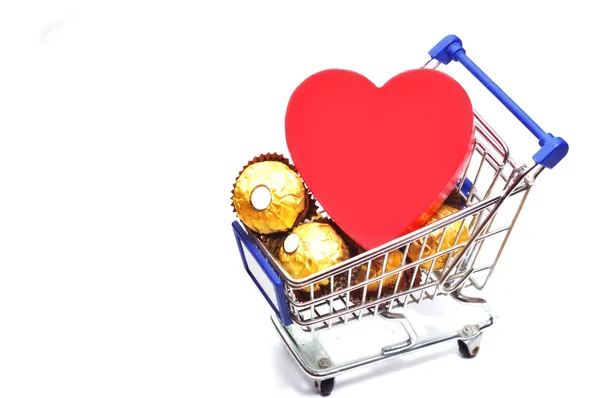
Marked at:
<point>312,247</point>
<point>270,197</point>
<point>432,241</point>
<point>394,261</point>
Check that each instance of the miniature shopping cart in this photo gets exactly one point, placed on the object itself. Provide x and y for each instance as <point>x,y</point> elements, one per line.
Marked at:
<point>493,188</point>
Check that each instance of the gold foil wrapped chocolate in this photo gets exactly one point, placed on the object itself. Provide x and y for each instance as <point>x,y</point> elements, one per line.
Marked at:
<point>310,248</point>
<point>270,197</point>
<point>432,241</point>
<point>394,261</point>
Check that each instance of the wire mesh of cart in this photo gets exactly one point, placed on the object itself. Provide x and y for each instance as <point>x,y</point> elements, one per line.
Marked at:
<point>493,189</point>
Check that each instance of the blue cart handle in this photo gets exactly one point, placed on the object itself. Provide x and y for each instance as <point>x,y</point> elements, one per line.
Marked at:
<point>553,149</point>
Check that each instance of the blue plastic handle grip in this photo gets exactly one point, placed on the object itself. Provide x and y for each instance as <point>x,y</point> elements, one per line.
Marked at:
<point>553,149</point>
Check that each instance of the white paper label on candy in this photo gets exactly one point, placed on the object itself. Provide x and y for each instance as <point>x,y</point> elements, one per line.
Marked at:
<point>260,197</point>
<point>291,243</point>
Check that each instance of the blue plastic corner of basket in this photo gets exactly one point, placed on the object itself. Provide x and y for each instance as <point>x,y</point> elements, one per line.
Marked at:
<point>440,50</point>
<point>465,189</point>
<point>553,150</point>
<point>280,307</point>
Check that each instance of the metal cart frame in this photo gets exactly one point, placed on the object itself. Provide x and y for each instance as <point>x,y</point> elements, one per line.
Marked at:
<point>302,309</point>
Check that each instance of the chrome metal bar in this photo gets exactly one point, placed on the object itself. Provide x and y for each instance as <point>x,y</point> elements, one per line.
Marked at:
<point>402,264</point>
<point>481,164</point>
<point>331,285</point>
<point>433,62</point>
<point>365,288</point>
<point>465,171</point>
<point>385,260</point>
<point>394,244</point>
<point>490,223</point>
<point>303,352</point>
<point>411,286</point>
<point>476,217</point>
<point>368,306</point>
<point>510,228</point>
<point>417,268</point>
<point>408,328</point>
<point>432,266</point>
<point>513,186</point>
<point>493,138</point>
<point>415,264</point>
<point>312,298</point>
<point>495,163</point>
<point>348,295</point>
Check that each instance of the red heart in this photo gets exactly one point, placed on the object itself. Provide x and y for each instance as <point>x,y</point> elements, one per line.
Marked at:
<point>379,160</point>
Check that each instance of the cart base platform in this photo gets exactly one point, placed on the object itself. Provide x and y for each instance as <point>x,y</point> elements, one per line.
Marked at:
<point>327,353</point>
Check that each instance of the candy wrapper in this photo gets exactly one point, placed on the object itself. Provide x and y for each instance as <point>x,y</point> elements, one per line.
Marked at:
<point>394,261</point>
<point>353,247</point>
<point>432,241</point>
<point>312,247</point>
<point>456,200</point>
<point>273,242</point>
<point>388,287</point>
<point>269,196</point>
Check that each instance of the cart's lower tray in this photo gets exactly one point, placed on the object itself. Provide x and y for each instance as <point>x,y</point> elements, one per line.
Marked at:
<point>329,352</point>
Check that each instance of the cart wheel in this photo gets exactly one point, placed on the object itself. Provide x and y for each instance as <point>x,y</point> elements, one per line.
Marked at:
<point>466,351</point>
<point>325,386</point>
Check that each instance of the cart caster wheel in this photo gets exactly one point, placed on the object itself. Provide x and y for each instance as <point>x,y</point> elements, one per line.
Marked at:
<point>325,386</point>
<point>469,341</point>
<point>467,350</point>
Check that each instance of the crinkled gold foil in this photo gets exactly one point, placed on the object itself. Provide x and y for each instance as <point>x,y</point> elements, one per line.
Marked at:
<point>354,247</point>
<point>320,247</point>
<point>432,241</point>
<point>289,197</point>
<point>394,261</point>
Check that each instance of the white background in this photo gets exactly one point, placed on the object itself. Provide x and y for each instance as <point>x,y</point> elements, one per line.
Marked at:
<point>123,126</point>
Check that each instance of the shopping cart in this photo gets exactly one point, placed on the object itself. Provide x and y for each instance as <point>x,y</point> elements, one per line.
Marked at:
<point>493,189</point>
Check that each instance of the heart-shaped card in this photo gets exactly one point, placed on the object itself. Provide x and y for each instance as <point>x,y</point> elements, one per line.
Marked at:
<point>379,160</point>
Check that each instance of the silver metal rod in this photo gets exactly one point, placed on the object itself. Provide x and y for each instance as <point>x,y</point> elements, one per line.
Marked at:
<point>448,289</point>
<point>415,264</point>
<point>510,228</point>
<point>394,244</point>
<point>335,371</point>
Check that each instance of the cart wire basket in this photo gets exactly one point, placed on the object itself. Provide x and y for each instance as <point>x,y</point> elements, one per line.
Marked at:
<point>492,191</point>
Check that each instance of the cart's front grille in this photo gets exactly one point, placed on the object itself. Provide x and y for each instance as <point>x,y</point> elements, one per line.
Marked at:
<point>367,285</point>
